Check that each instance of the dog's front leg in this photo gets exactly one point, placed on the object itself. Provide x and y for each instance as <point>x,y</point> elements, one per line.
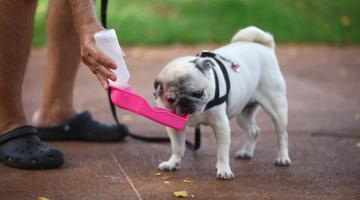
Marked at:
<point>222,134</point>
<point>177,150</point>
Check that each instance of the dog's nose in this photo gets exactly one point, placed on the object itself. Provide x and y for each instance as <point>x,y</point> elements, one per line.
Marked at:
<point>186,105</point>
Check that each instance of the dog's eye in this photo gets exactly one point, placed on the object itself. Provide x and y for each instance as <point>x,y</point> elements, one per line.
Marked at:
<point>197,94</point>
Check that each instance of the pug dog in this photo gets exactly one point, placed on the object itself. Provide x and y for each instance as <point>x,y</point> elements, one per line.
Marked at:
<point>231,81</point>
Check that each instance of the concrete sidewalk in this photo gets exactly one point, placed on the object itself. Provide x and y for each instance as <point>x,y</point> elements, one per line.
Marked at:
<point>324,135</point>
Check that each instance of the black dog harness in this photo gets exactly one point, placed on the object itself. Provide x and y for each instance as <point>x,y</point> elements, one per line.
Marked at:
<point>217,99</point>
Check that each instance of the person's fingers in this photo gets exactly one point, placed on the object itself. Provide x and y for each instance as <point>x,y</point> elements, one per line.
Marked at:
<point>103,71</point>
<point>103,81</point>
<point>91,50</point>
<point>92,64</point>
<point>100,57</point>
<point>97,68</point>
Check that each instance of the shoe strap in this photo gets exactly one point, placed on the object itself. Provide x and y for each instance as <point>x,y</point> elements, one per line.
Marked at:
<point>69,125</point>
<point>17,132</point>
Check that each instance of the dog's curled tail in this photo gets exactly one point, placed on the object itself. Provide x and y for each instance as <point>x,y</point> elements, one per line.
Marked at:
<point>254,34</point>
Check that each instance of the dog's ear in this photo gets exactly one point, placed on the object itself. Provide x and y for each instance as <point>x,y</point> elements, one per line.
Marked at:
<point>158,89</point>
<point>204,64</point>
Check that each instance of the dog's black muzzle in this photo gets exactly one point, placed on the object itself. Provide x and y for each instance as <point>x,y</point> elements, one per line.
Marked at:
<point>187,105</point>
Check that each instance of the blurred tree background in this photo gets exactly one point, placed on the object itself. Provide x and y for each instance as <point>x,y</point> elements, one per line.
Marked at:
<point>161,22</point>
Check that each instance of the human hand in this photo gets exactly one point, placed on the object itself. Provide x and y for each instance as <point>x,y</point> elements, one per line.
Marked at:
<point>91,55</point>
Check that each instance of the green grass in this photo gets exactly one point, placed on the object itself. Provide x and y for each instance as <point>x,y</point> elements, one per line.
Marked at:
<point>39,38</point>
<point>158,22</point>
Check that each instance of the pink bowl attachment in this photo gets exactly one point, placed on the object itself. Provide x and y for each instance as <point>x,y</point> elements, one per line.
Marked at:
<point>131,101</point>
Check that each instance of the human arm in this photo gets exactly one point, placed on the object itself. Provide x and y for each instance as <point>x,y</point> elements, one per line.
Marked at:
<point>86,24</point>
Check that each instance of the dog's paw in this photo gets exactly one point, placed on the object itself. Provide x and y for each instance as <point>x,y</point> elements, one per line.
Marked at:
<point>282,161</point>
<point>168,166</point>
<point>243,154</point>
<point>224,174</point>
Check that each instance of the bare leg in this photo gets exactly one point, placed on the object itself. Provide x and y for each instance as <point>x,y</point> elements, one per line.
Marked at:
<point>63,61</point>
<point>25,151</point>
<point>16,22</point>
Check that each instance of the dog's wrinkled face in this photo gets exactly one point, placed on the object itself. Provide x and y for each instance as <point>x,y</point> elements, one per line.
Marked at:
<point>184,85</point>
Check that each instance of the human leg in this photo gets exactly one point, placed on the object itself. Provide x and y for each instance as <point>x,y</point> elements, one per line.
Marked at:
<point>20,147</point>
<point>16,22</point>
<point>63,61</point>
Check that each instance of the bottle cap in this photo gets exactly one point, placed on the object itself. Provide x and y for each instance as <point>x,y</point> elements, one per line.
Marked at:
<point>106,35</point>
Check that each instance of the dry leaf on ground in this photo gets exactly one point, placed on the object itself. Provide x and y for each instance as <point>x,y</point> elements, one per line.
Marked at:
<point>181,194</point>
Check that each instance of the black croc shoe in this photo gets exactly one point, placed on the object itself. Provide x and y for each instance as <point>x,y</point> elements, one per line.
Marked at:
<point>22,148</point>
<point>83,128</point>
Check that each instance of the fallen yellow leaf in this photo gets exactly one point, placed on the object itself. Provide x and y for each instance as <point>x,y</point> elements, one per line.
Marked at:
<point>157,174</point>
<point>186,181</point>
<point>165,177</point>
<point>181,194</point>
<point>43,198</point>
<point>167,182</point>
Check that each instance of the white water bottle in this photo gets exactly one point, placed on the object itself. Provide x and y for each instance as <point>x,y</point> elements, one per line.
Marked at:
<point>108,43</point>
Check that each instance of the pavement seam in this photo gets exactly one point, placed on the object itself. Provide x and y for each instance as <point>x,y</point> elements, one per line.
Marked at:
<point>126,176</point>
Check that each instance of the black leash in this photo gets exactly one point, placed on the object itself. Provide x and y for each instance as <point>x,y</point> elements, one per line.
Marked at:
<point>189,145</point>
